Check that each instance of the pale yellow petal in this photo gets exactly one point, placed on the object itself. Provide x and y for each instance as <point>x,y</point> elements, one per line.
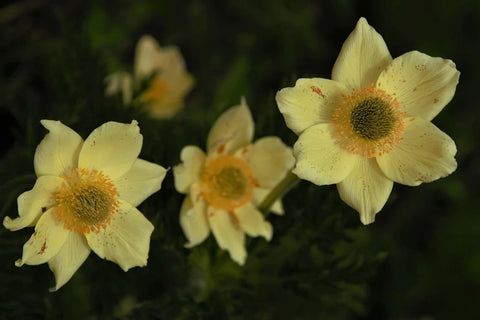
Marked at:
<point>71,256</point>
<point>57,154</point>
<point>200,207</point>
<point>366,189</point>
<point>126,240</point>
<point>32,203</point>
<point>320,159</point>
<point>270,160</point>
<point>228,234</point>
<point>186,173</point>
<point>424,155</point>
<point>165,96</point>
<point>259,194</point>
<point>120,83</point>
<point>423,85</point>
<point>172,101</point>
<point>362,57</point>
<point>173,63</point>
<point>148,57</point>
<point>46,241</point>
<point>112,148</point>
<point>252,221</point>
<point>193,220</point>
<point>141,181</point>
<point>311,101</point>
<point>161,109</point>
<point>232,130</point>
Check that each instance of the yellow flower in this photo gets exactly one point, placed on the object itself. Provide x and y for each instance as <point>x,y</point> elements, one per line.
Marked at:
<point>171,82</point>
<point>85,197</point>
<point>225,185</point>
<point>370,125</point>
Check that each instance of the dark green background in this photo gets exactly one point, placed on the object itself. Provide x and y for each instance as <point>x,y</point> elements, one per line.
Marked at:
<point>419,260</point>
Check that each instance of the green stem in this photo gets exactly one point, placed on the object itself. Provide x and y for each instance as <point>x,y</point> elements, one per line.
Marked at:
<point>278,191</point>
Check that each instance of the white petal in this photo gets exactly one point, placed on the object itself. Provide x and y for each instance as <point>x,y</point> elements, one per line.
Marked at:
<point>148,57</point>
<point>423,85</point>
<point>232,130</point>
<point>363,56</point>
<point>71,256</point>
<point>193,220</point>
<point>112,148</point>
<point>259,194</point>
<point>57,154</point>
<point>32,203</point>
<point>189,170</point>
<point>228,234</point>
<point>141,181</point>
<point>320,159</point>
<point>252,221</point>
<point>270,160</point>
<point>311,101</point>
<point>424,155</point>
<point>46,241</point>
<point>366,189</point>
<point>126,240</point>
<point>120,82</point>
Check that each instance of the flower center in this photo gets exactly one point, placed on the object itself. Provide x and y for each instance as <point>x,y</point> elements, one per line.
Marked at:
<point>227,182</point>
<point>372,119</point>
<point>368,122</point>
<point>87,201</point>
<point>156,91</point>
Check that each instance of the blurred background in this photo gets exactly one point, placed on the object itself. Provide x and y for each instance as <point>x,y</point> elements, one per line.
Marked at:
<point>419,260</point>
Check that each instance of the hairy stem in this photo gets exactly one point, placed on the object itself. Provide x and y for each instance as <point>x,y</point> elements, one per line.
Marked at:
<point>278,191</point>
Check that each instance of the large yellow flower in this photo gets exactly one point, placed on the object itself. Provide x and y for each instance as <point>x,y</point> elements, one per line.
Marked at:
<point>85,197</point>
<point>370,125</point>
<point>171,82</point>
<point>225,186</point>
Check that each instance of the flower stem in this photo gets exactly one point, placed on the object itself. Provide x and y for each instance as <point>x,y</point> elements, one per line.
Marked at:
<point>278,191</point>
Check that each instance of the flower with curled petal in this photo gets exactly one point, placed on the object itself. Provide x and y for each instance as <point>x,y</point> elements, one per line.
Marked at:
<point>170,83</point>
<point>225,185</point>
<point>85,199</point>
<point>371,125</point>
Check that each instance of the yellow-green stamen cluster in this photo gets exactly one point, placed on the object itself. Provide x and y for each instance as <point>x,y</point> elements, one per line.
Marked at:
<point>227,182</point>
<point>368,122</point>
<point>86,201</point>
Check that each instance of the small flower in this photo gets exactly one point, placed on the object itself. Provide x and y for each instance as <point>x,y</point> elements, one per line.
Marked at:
<point>225,185</point>
<point>370,125</point>
<point>85,199</point>
<point>170,82</point>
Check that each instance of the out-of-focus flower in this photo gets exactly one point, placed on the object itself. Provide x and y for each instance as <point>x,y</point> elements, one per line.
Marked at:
<point>85,199</point>
<point>370,125</point>
<point>165,71</point>
<point>225,185</point>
